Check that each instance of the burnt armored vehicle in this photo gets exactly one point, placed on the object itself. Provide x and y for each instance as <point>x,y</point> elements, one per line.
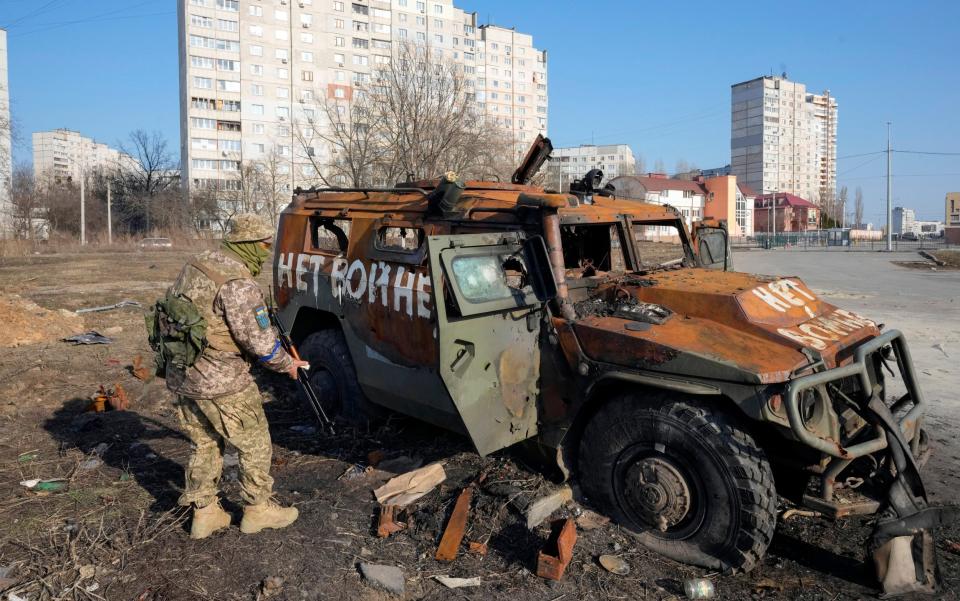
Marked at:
<point>600,330</point>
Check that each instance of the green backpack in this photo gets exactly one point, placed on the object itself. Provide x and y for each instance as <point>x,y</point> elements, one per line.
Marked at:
<point>177,332</point>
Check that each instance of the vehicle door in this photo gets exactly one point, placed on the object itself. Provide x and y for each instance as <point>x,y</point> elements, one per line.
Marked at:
<point>491,289</point>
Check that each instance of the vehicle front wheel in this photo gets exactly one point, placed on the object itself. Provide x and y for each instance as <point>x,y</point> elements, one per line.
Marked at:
<point>684,476</point>
<point>334,377</point>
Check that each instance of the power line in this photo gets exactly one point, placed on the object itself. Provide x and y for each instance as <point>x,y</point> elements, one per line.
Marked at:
<point>39,11</point>
<point>867,162</point>
<point>950,154</point>
<point>89,20</point>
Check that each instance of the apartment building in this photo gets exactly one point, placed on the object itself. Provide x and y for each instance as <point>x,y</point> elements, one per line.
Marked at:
<point>6,158</point>
<point>951,230</point>
<point>571,163</point>
<point>904,221</point>
<point>62,155</point>
<point>254,75</point>
<point>784,138</point>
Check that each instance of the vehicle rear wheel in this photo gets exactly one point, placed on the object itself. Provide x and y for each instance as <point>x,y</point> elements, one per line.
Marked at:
<point>334,377</point>
<point>684,477</point>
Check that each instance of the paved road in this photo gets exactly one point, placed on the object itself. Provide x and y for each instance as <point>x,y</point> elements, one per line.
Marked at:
<point>923,304</point>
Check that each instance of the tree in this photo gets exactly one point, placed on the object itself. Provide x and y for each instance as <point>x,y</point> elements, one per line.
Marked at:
<point>29,212</point>
<point>145,187</point>
<point>416,118</point>
<point>840,209</point>
<point>682,166</point>
<point>659,167</point>
<point>858,207</point>
<point>640,165</point>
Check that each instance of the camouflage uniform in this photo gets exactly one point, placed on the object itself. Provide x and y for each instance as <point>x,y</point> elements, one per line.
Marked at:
<point>218,400</point>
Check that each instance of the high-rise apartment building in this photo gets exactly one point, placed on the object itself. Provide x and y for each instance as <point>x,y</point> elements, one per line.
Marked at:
<point>6,157</point>
<point>253,73</point>
<point>62,155</point>
<point>568,164</point>
<point>783,138</point>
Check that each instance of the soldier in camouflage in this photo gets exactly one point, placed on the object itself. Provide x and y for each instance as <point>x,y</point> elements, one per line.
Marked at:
<point>217,398</point>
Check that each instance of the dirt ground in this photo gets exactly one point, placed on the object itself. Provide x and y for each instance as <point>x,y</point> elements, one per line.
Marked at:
<point>113,530</point>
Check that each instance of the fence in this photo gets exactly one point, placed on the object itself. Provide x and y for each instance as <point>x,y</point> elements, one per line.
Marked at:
<point>831,240</point>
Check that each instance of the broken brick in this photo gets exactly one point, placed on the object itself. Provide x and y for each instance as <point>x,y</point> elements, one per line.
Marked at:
<point>557,553</point>
<point>456,527</point>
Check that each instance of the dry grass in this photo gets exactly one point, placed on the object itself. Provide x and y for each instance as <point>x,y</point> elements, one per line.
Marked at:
<point>951,258</point>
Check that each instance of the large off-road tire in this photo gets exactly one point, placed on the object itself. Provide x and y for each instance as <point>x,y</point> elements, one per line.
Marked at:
<point>684,476</point>
<point>334,377</point>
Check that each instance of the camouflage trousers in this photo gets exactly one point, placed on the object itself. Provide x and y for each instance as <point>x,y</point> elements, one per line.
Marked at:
<point>209,424</point>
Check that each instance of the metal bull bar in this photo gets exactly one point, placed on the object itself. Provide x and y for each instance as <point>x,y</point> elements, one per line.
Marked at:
<point>909,423</point>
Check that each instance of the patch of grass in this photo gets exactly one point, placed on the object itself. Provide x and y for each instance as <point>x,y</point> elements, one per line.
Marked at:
<point>951,258</point>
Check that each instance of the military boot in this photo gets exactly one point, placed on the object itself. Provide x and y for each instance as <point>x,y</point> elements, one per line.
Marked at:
<point>267,515</point>
<point>207,520</point>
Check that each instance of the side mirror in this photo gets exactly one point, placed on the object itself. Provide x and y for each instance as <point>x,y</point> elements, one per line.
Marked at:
<point>540,271</point>
<point>713,247</point>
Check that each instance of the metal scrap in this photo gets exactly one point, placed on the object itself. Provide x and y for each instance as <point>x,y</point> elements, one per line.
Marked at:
<point>389,524</point>
<point>553,560</point>
<point>123,303</point>
<point>456,527</point>
<point>91,337</point>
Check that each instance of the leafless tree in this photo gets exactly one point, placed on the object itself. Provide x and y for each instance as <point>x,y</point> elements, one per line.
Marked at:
<point>29,212</point>
<point>659,166</point>
<point>417,117</point>
<point>640,167</point>
<point>683,166</point>
<point>858,206</point>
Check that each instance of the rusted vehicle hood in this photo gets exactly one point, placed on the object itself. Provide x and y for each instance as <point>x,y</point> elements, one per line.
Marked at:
<point>724,325</point>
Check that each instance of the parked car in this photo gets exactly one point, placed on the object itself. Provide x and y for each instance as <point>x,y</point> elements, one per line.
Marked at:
<point>155,243</point>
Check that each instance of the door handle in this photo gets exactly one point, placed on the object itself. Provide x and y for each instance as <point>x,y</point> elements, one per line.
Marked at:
<point>466,352</point>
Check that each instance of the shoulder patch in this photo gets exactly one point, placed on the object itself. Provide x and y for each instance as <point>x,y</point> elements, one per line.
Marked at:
<point>263,318</point>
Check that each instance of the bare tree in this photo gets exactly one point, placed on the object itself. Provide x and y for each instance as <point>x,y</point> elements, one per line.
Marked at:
<point>417,117</point>
<point>659,166</point>
<point>683,166</point>
<point>640,165</point>
<point>858,206</point>
<point>29,212</point>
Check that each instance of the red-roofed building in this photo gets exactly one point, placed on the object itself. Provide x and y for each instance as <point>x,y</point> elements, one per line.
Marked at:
<point>793,214</point>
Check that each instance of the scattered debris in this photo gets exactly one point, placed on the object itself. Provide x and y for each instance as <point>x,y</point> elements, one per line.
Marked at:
<point>477,548</point>
<point>87,571</point>
<point>6,580</point>
<point>557,553</point>
<point>591,520</point>
<point>407,488</point>
<point>802,512</point>
<point>308,430</point>
<point>388,578</point>
<point>699,588</point>
<point>539,510</point>
<point>456,527</point>
<point>354,471</point>
<point>400,465</point>
<point>271,585</point>
<point>115,398</point>
<point>389,524</point>
<point>940,348</point>
<point>91,337</point>
<point>768,584</point>
<point>28,456</point>
<point>231,459</point>
<point>91,464</point>
<point>123,303</point>
<point>614,564</point>
<point>138,370</point>
<point>952,546</point>
<point>450,582</point>
<point>15,597</point>
<point>45,486</point>
<point>25,322</point>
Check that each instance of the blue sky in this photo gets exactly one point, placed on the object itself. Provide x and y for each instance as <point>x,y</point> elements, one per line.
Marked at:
<point>655,75</point>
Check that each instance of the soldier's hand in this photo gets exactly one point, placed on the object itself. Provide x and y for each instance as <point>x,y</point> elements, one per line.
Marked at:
<point>297,364</point>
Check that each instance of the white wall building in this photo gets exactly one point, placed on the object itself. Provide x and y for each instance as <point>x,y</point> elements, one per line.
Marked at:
<point>904,221</point>
<point>6,150</point>
<point>250,71</point>
<point>571,163</point>
<point>783,138</point>
<point>62,155</point>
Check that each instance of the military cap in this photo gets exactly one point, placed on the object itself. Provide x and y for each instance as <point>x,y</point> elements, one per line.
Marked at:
<point>248,227</point>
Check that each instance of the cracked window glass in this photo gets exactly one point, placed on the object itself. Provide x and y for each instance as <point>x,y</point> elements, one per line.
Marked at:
<point>481,279</point>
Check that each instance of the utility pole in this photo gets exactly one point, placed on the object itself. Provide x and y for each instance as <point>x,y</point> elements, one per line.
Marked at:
<point>889,195</point>
<point>109,217</point>
<point>83,208</point>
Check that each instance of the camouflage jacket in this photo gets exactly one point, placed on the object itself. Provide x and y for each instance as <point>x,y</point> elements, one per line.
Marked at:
<point>238,328</point>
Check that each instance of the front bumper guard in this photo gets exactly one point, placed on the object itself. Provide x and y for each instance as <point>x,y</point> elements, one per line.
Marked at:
<point>842,456</point>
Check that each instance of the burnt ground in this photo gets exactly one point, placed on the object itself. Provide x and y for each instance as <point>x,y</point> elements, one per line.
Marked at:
<point>114,531</point>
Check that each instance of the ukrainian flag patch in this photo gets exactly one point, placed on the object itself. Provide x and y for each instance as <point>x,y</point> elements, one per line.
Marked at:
<point>263,318</point>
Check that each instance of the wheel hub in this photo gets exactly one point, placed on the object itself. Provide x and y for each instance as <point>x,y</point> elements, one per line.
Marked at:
<point>659,492</point>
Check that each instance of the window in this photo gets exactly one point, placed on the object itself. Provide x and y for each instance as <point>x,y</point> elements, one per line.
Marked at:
<point>256,89</point>
<point>338,59</point>
<point>280,15</point>
<point>229,145</point>
<point>306,76</point>
<point>329,235</point>
<point>258,127</point>
<point>421,36</point>
<point>399,239</point>
<point>281,54</point>
<point>283,92</point>
<point>256,69</point>
<point>361,26</point>
<point>306,38</point>
<point>256,11</point>
<point>402,33</point>
<point>359,59</point>
<point>658,245</point>
<point>339,42</point>
<point>228,25</point>
<point>422,6</point>
<point>338,6</point>
<point>381,28</point>
<point>204,83</point>
<point>338,23</point>
<point>203,144</point>
<point>256,30</point>
<point>361,43</point>
<point>256,50</point>
<point>228,45</point>
<point>227,65</point>
<point>438,9</point>
<point>231,5</point>
<point>283,111</point>
<point>438,23</point>
<point>202,62</point>
<point>199,123</point>
<point>306,19</point>
<point>438,38</point>
<point>258,148</point>
<point>484,278</point>
<point>201,21</point>
<point>203,164</point>
<point>228,125</point>
<point>283,73</point>
<point>199,41</point>
<point>230,165</point>
<point>421,21</point>
<point>281,34</point>
<point>339,93</point>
